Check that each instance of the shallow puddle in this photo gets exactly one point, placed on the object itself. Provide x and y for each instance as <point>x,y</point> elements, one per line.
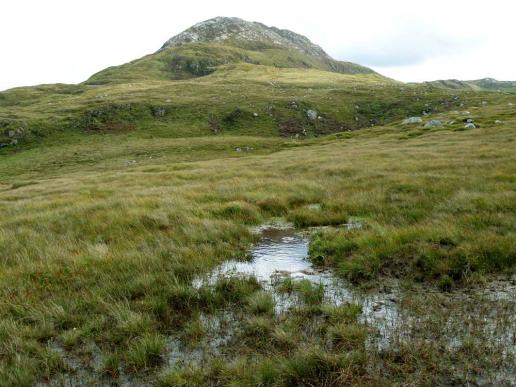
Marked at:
<point>393,313</point>
<point>283,252</point>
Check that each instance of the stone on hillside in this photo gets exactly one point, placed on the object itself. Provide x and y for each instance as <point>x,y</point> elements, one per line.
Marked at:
<point>433,124</point>
<point>470,125</point>
<point>311,114</point>
<point>470,120</point>
<point>412,120</point>
<point>11,133</point>
<point>159,112</point>
<point>255,114</point>
<point>498,122</point>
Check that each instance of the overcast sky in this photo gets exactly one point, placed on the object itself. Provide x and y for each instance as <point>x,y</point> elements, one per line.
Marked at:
<point>68,40</point>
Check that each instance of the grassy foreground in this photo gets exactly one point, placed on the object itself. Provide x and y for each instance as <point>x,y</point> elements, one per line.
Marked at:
<point>100,241</point>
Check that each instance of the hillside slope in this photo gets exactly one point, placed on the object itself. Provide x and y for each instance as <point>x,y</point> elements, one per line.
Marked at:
<point>238,99</point>
<point>223,77</point>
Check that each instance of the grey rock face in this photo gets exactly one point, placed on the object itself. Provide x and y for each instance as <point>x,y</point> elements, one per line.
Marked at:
<point>412,120</point>
<point>232,28</point>
<point>433,124</point>
<point>311,114</point>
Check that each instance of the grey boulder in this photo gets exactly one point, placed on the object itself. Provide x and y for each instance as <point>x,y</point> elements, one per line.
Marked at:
<point>433,124</point>
<point>412,120</point>
<point>311,114</point>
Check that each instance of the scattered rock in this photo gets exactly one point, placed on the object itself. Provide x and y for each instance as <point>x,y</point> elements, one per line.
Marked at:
<point>311,114</point>
<point>11,133</point>
<point>470,120</point>
<point>255,114</point>
<point>14,141</point>
<point>498,122</point>
<point>484,103</point>
<point>159,112</point>
<point>470,125</point>
<point>238,149</point>
<point>433,124</point>
<point>412,120</point>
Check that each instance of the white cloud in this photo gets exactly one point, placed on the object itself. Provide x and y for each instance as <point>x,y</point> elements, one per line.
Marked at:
<point>66,41</point>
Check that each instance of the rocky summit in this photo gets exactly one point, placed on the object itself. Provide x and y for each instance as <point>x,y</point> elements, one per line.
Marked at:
<point>242,32</point>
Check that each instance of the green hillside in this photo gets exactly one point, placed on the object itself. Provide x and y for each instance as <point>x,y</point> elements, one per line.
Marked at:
<point>241,99</point>
<point>201,59</point>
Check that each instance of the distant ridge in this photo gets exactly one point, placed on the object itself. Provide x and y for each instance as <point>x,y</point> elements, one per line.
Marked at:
<point>484,84</point>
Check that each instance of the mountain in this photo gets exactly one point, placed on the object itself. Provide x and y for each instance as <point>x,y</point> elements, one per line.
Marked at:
<point>204,47</point>
<point>484,84</point>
